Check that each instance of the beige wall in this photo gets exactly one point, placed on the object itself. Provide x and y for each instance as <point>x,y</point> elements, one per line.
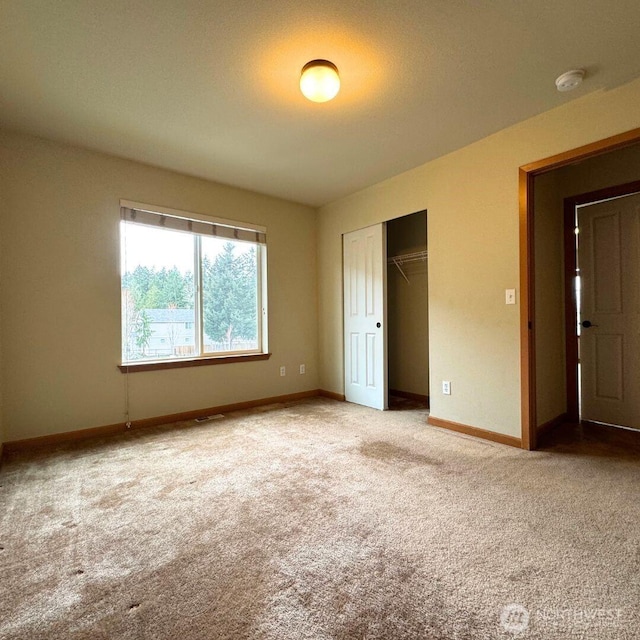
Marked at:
<point>60,302</point>
<point>550,190</point>
<point>472,199</point>
<point>408,307</point>
<point>549,291</point>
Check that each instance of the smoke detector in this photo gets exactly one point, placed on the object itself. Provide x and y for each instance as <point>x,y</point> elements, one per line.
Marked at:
<point>570,80</point>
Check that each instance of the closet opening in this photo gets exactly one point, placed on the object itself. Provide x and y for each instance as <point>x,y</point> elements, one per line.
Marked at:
<point>408,312</point>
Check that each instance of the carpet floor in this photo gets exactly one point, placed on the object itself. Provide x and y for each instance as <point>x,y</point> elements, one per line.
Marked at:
<point>317,520</point>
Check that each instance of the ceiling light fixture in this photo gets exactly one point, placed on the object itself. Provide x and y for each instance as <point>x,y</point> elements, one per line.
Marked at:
<point>570,80</point>
<point>319,81</point>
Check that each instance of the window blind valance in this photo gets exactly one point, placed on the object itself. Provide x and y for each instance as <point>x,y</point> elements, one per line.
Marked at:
<point>217,229</point>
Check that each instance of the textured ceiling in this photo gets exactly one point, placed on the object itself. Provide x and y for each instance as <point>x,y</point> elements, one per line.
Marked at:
<point>211,88</point>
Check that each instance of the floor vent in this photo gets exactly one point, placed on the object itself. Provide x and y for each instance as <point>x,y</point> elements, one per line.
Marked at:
<point>217,416</point>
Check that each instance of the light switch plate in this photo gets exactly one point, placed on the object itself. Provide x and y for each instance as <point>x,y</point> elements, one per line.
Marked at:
<point>510,296</point>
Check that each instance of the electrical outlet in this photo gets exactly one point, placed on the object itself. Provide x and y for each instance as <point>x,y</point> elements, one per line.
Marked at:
<point>283,371</point>
<point>303,369</point>
<point>446,387</point>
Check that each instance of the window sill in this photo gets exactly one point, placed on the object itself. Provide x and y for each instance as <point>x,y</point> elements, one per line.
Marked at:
<point>191,362</point>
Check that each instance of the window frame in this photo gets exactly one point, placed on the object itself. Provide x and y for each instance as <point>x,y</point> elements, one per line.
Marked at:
<point>204,357</point>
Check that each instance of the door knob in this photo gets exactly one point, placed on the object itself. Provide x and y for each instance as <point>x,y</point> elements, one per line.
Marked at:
<point>588,324</point>
<point>378,325</point>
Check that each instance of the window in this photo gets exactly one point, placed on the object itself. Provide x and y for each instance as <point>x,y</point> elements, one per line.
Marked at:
<point>192,288</point>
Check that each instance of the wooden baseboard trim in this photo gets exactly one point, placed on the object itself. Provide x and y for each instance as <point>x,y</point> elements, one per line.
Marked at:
<point>332,395</point>
<point>409,395</point>
<point>512,441</point>
<point>121,427</point>
<point>548,426</point>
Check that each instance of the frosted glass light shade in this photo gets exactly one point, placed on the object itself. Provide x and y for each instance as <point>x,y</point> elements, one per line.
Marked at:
<point>319,81</point>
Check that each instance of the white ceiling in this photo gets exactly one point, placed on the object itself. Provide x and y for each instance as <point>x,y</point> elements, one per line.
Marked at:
<point>211,88</point>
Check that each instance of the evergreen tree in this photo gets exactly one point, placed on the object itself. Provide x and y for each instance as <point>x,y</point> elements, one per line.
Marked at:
<point>152,299</point>
<point>138,283</point>
<point>142,331</point>
<point>164,289</point>
<point>229,286</point>
<point>173,290</point>
<point>246,274</point>
<point>189,290</point>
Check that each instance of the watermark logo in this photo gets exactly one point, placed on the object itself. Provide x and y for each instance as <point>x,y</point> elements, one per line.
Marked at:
<point>580,618</point>
<point>514,618</point>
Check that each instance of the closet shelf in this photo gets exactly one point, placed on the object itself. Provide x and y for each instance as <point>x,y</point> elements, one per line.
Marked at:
<point>405,258</point>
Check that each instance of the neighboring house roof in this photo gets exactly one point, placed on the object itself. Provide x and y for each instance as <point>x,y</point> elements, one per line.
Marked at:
<point>170,315</point>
